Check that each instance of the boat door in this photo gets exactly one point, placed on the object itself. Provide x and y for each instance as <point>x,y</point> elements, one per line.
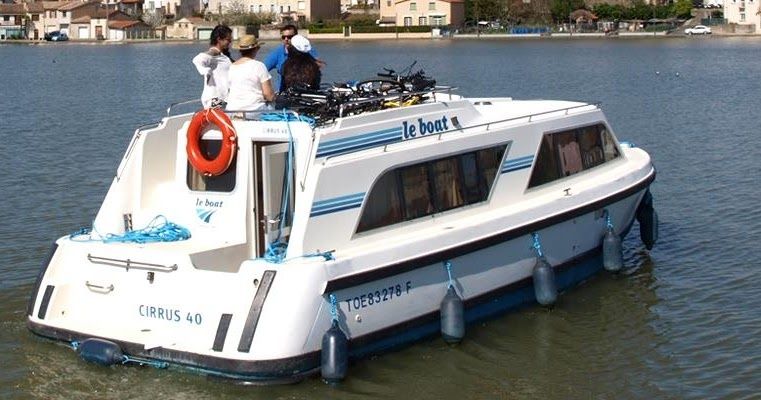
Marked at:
<point>270,176</point>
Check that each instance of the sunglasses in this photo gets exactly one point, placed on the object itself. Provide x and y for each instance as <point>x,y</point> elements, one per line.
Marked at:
<point>283,37</point>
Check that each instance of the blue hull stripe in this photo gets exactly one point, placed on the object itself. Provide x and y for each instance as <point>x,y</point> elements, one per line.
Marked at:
<point>517,164</point>
<point>360,142</point>
<point>337,204</point>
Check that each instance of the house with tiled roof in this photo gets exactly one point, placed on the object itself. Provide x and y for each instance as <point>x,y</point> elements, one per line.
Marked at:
<point>190,28</point>
<point>422,12</point>
<point>12,21</point>
<point>113,25</point>
<point>35,11</point>
<point>74,10</point>
<point>50,15</point>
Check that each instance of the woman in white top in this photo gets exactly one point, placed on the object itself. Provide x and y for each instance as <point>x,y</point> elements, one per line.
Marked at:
<point>214,65</point>
<point>250,82</point>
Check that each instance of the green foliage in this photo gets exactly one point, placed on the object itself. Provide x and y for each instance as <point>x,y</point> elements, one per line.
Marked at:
<point>609,12</point>
<point>682,8</point>
<point>484,10</point>
<point>561,9</point>
<point>329,29</point>
<point>389,29</point>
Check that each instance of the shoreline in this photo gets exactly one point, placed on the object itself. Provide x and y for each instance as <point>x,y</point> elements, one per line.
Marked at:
<point>405,36</point>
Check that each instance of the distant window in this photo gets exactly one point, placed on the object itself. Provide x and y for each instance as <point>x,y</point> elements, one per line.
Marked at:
<point>261,8</point>
<point>432,6</point>
<point>413,6</point>
<point>437,21</point>
<point>422,21</point>
<point>35,17</point>
<point>302,5</point>
<point>221,183</point>
<point>388,3</point>
<point>407,21</point>
<point>742,17</point>
<point>569,152</point>
<point>6,17</point>
<point>419,190</point>
<point>272,8</point>
<point>63,13</point>
<point>251,8</point>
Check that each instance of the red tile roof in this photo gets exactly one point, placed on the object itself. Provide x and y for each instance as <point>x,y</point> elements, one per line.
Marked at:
<point>125,24</point>
<point>35,8</point>
<point>52,5</point>
<point>73,5</point>
<point>12,9</point>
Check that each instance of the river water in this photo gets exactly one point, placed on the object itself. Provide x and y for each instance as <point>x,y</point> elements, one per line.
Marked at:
<point>683,320</point>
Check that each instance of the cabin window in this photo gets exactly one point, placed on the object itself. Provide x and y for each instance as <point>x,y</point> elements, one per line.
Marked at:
<point>571,151</point>
<point>419,190</point>
<point>222,183</point>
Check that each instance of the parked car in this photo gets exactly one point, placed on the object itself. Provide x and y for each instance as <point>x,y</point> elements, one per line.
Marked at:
<point>698,30</point>
<point>56,36</point>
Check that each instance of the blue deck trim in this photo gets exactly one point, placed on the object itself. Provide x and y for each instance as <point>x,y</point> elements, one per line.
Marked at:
<point>337,204</point>
<point>359,142</point>
<point>516,164</point>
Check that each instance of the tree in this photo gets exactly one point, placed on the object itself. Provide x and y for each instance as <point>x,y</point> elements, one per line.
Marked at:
<point>235,7</point>
<point>561,9</point>
<point>153,19</point>
<point>682,8</point>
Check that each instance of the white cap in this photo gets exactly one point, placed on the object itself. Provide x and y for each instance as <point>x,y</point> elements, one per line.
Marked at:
<point>301,44</point>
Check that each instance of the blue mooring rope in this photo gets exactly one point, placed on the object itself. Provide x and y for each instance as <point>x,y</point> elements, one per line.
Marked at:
<point>287,117</point>
<point>158,230</point>
<point>333,308</point>
<point>277,250</point>
<point>448,266</point>
<point>608,222</point>
<point>536,245</point>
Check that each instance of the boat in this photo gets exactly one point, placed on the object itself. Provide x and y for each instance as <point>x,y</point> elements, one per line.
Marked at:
<point>271,249</point>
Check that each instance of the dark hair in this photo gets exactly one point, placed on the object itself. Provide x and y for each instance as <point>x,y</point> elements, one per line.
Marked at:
<point>300,69</point>
<point>289,27</point>
<point>220,32</point>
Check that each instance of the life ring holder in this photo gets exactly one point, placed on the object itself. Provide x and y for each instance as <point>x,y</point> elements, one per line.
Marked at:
<point>218,165</point>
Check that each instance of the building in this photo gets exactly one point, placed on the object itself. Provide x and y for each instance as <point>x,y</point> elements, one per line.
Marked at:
<point>743,13</point>
<point>36,25</point>
<point>97,24</point>
<point>423,12</point>
<point>190,28</point>
<point>13,21</point>
<point>285,10</point>
<point>73,10</point>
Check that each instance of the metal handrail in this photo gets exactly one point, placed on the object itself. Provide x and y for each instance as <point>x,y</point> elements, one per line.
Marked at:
<point>127,264</point>
<point>131,147</point>
<point>488,124</point>
<point>180,103</point>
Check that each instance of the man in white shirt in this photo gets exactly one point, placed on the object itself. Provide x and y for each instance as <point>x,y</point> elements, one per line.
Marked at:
<point>214,65</point>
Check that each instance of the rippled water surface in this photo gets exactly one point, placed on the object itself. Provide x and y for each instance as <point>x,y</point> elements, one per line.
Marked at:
<point>683,321</point>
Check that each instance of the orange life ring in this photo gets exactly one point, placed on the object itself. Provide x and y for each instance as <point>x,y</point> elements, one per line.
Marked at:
<point>221,162</point>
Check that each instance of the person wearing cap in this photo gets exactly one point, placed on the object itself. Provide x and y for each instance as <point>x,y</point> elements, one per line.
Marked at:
<point>276,58</point>
<point>214,65</point>
<point>250,82</point>
<point>300,68</point>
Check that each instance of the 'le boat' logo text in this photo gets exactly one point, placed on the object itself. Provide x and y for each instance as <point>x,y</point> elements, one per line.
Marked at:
<point>423,127</point>
<point>206,208</point>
